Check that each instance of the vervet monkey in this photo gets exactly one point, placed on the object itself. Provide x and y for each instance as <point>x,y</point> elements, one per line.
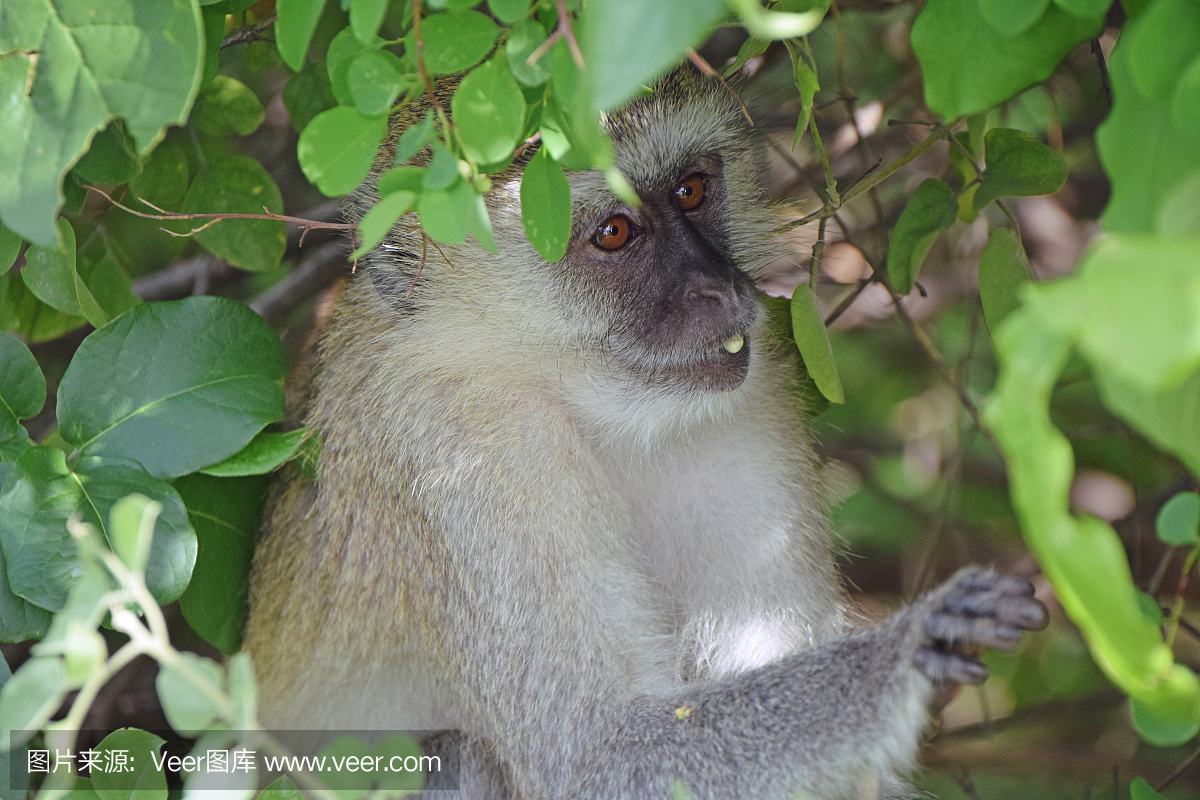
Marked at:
<point>571,509</point>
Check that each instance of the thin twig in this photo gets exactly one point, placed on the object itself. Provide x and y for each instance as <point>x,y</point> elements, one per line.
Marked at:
<point>312,275</point>
<point>564,22</point>
<point>1105,83</point>
<point>249,33</point>
<point>215,217</point>
<point>1182,768</point>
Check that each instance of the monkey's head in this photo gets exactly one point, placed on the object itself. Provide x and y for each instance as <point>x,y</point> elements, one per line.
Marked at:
<point>659,295</point>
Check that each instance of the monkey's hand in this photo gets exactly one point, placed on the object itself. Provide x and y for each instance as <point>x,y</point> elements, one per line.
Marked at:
<point>975,609</point>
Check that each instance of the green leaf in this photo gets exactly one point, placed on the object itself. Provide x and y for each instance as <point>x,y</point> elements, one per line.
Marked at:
<point>380,219</point>
<point>109,287</point>
<point>1179,214</point>
<point>524,38</point>
<point>1185,101</point>
<point>1011,17</point>
<point>225,106</point>
<point>282,788</point>
<point>1145,155</point>
<point>111,158</point>
<point>546,206</point>
<point>442,170</point>
<point>38,321</point>
<point>262,454</point>
<point>653,37</point>
<point>970,66</point>
<point>509,11</point>
<point>1166,417</point>
<point>342,50</point>
<point>143,777</point>
<point>489,111</point>
<point>225,513</point>
<point>10,247</point>
<point>1163,43</point>
<point>401,179</point>
<point>1178,521</point>
<point>1017,165</point>
<point>243,691</point>
<point>177,386</point>
<point>454,40</point>
<point>239,185</point>
<point>374,79</point>
<point>1134,307</point>
<point>1003,270</point>
<point>1139,789</point>
<point>214,33</point>
<point>807,83</point>
<point>131,529</point>
<point>294,28</point>
<point>1081,555</point>
<point>1084,8</point>
<point>22,386</point>
<point>1160,731</point>
<point>137,59</point>
<point>308,93</point>
<point>338,146</point>
<point>413,139</point>
<point>28,698</point>
<point>41,494</point>
<point>444,212</point>
<point>930,210</point>
<point>402,747</point>
<point>50,274</point>
<point>164,177</point>
<point>365,18</point>
<point>479,223</point>
<point>812,339</point>
<point>751,48</point>
<point>188,693</point>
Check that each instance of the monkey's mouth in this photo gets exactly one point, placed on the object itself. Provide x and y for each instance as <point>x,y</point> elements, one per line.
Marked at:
<point>719,369</point>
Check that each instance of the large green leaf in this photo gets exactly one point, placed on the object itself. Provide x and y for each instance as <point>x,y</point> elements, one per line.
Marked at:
<point>225,513</point>
<point>176,386</point>
<point>41,494</point>
<point>970,66</point>
<point>71,66</point>
<point>812,339</point>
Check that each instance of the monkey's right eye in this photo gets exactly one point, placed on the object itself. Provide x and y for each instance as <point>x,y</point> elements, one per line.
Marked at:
<point>612,234</point>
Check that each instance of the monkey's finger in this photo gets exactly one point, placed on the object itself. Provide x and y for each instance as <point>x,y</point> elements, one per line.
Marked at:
<point>1019,611</point>
<point>988,631</point>
<point>981,580</point>
<point>942,667</point>
<point>1023,612</point>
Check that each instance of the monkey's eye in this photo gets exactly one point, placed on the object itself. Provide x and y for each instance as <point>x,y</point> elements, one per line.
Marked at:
<point>612,234</point>
<point>690,192</point>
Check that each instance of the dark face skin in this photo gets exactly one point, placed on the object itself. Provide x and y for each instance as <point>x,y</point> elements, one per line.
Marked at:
<point>676,304</point>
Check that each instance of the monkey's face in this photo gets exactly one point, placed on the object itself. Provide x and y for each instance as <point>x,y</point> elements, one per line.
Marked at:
<point>678,312</point>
